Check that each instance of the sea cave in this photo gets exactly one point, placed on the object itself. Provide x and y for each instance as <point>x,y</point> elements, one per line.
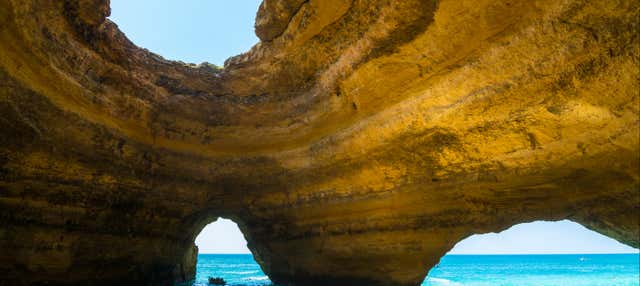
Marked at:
<point>355,144</point>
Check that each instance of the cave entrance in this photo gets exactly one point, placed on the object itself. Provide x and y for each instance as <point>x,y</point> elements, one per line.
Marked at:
<point>223,252</point>
<point>538,253</point>
<point>191,31</point>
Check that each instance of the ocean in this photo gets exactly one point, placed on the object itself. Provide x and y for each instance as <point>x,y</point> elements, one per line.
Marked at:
<point>520,270</point>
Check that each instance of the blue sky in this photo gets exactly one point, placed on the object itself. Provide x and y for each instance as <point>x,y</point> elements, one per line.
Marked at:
<point>213,30</point>
<point>189,30</point>
<point>540,237</point>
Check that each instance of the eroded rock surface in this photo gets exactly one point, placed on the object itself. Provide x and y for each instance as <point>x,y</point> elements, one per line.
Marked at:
<point>355,145</point>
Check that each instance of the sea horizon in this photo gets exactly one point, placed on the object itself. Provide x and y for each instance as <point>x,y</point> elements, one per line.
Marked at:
<point>603,253</point>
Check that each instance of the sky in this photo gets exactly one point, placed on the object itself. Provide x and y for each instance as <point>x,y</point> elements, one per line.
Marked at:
<point>221,237</point>
<point>540,237</point>
<point>192,31</point>
<point>195,31</point>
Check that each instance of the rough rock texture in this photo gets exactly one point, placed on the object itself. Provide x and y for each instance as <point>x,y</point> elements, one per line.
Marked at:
<point>355,145</point>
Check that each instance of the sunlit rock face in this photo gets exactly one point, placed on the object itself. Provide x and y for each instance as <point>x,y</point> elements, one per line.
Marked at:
<point>355,145</point>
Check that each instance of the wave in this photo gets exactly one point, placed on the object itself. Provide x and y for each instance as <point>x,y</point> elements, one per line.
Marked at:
<point>441,281</point>
<point>241,272</point>
<point>256,278</point>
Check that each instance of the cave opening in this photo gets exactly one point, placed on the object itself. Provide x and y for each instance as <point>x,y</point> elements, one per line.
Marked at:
<point>223,253</point>
<point>192,31</point>
<point>541,252</point>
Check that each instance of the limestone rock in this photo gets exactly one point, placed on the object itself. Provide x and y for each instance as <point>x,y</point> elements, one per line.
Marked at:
<point>273,17</point>
<point>355,145</point>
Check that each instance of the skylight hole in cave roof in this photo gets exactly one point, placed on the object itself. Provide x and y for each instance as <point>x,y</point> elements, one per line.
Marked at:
<point>191,31</point>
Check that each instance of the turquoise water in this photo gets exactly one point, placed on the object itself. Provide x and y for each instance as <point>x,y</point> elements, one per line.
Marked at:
<point>236,269</point>
<point>566,270</point>
<point>521,270</point>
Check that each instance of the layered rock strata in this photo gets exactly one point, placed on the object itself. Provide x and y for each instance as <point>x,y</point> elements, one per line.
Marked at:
<point>354,145</point>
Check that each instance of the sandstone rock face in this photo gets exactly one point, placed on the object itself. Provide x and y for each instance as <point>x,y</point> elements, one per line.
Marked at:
<point>355,145</point>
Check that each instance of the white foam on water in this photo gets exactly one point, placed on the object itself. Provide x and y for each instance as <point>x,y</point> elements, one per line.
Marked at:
<point>241,272</point>
<point>256,278</point>
<point>442,281</point>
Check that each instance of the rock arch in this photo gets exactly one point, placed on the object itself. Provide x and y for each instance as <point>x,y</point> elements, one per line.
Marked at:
<point>356,131</point>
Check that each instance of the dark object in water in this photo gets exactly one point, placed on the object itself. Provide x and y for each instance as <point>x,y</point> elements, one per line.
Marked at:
<point>217,281</point>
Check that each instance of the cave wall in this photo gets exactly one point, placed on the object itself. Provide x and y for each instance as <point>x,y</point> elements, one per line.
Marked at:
<point>355,144</point>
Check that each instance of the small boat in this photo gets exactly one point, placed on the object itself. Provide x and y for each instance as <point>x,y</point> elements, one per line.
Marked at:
<point>217,281</point>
